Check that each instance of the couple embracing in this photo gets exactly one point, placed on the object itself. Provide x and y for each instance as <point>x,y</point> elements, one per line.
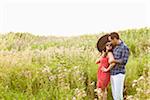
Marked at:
<point>111,65</point>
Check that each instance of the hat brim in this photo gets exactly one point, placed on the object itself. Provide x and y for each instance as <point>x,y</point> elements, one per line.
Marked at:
<point>102,42</point>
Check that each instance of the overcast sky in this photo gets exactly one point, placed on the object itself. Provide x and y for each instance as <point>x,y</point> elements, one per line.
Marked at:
<point>72,17</point>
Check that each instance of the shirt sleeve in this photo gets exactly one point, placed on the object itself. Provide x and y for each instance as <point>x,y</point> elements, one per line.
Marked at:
<point>124,56</point>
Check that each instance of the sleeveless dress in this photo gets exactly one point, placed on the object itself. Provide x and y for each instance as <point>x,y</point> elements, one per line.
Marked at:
<point>103,78</point>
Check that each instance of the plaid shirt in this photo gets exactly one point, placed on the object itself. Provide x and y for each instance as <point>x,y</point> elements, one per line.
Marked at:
<point>121,53</point>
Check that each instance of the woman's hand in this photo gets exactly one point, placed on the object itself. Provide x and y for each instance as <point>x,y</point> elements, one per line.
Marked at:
<point>104,69</point>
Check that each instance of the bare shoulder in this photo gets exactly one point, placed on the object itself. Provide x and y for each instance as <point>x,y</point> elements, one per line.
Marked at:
<point>110,54</point>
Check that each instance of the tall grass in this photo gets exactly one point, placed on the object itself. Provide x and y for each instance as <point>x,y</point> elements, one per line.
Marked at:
<point>62,68</point>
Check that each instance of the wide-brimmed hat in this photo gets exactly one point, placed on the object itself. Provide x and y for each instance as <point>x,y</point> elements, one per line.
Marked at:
<point>102,42</point>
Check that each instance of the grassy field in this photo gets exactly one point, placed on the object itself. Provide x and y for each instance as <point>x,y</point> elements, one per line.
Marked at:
<point>63,68</point>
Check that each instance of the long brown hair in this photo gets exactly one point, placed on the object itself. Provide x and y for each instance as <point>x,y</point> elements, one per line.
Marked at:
<point>105,51</point>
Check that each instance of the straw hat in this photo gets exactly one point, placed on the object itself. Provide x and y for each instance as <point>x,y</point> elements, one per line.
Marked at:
<point>101,42</point>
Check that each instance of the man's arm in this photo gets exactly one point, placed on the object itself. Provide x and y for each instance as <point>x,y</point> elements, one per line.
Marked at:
<point>124,56</point>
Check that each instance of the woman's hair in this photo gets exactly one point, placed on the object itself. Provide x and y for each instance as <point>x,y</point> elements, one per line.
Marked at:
<point>114,35</point>
<point>106,52</point>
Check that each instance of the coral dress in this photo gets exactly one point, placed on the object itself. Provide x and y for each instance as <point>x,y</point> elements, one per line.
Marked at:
<point>103,78</point>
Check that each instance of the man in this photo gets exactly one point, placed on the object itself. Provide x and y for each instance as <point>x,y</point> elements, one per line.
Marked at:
<point>121,55</point>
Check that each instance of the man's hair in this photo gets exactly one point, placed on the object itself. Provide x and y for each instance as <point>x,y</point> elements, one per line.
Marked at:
<point>114,35</point>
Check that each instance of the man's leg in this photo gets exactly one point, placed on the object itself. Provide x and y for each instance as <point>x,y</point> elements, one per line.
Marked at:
<point>117,83</point>
<point>112,79</point>
<point>120,86</point>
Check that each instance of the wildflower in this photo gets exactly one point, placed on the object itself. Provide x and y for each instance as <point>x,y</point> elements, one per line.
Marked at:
<point>139,90</point>
<point>92,83</point>
<point>129,97</point>
<point>51,78</point>
<point>65,70</point>
<point>135,81</point>
<point>74,98</point>
<point>141,78</point>
<point>46,69</point>
<point>148,92</point>
<point>27,74</point>
<point>133,85</point>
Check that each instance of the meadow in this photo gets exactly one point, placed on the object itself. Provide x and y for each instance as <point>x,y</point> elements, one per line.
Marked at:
<point>63,68</point>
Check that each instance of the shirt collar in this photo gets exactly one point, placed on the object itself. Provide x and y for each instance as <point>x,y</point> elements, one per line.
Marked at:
<point>120,43</point>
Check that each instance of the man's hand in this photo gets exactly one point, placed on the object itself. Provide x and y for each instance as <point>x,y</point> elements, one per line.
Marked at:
<point>113,61</point>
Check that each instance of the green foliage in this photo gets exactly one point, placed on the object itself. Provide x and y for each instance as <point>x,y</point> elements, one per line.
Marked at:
<point>63,68</point>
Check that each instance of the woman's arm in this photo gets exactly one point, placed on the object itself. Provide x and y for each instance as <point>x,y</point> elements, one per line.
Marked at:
<point>97,61</point>
<point>111,65</point>
<point>110,57</point>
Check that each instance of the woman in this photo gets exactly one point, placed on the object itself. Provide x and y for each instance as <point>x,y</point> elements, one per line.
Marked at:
<point>103,73</point>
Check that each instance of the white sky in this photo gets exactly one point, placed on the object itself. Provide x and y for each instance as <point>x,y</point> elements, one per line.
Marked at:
<point>72,17</point>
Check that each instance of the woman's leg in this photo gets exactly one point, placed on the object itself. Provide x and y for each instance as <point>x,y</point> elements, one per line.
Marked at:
<point>99,93</point>
<point>104,94</point>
